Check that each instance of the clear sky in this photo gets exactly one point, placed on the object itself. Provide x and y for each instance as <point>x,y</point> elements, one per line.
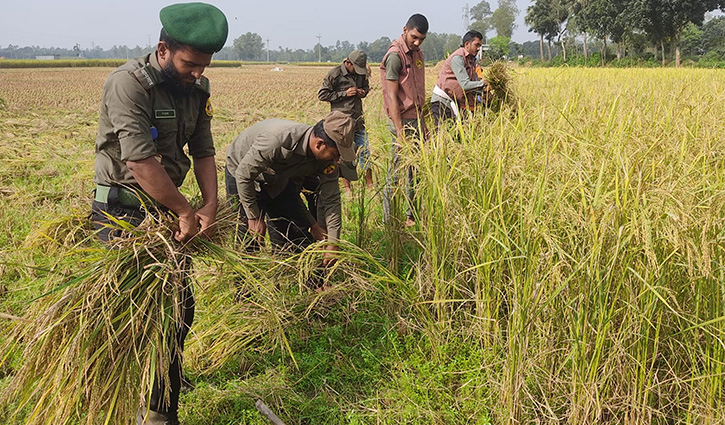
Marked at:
<point>287,23</point>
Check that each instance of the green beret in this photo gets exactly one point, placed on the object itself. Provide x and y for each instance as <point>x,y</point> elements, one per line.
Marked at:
<point>199,25</point>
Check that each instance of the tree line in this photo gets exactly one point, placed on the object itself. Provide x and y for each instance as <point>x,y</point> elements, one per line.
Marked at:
<point>634,26</point>
<point>567,30</point>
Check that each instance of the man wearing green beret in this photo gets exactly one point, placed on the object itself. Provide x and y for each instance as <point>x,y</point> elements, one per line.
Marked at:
<point>152,108</point>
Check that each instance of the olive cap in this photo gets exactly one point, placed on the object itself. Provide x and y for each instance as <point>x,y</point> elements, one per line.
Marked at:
<point>199,25</point>
<point>340,127</point>
<point>359,61</point>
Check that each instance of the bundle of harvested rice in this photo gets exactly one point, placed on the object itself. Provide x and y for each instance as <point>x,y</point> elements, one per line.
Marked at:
<point>88,349</point>
<point>498,76</point>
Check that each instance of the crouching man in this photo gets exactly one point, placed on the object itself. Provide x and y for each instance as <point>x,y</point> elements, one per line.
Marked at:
<point>266,167</point>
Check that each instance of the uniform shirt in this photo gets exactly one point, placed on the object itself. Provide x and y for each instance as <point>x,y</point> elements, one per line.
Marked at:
<point>270,154</point>
<point>135,98</point>
<point>334,86</point>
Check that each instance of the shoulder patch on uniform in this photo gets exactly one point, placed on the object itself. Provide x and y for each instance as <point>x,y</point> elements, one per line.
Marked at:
<point>145,76</point>
<point>208,108</point>
<point>330,169</point>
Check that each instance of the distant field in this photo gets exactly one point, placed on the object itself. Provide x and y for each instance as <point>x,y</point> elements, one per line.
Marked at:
<point>103,63</point>
<point>569,264</point>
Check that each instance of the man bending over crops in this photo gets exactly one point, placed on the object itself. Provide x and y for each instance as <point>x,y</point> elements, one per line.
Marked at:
<point>402,72</point>
<point>344,87</point>
<point>266,167</point>
<point>151,108</point>
<point>458,87</point>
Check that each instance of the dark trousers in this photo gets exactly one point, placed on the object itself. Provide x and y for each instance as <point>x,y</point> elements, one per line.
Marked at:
<point>135,216</point>
<point>286,217</point>
<point>440,112</point>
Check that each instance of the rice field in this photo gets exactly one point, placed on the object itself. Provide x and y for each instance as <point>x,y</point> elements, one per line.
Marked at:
<point>568,265</point>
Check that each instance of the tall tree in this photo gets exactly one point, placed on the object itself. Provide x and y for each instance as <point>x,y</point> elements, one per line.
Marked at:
<point>548,18</point>
<point>502,19</point>
<point>599,17</point>
<point>538,18</point>
<point>378,48</point>
<point>249,46</point>
<point>481,16</point>
<point>713,35</point>
<point>665,20</point>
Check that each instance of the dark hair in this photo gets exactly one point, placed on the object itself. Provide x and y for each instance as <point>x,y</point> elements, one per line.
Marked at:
<point>172,44</point>
<point>319,131</point>
<point>470,36</point>
<point>418,22</point>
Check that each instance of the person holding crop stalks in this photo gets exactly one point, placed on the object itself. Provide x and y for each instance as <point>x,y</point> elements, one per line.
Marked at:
<point>344,87</point>
<point>402,72</point>
<point>151,108</point>
<point>459,87</point>
<point>268,163</point>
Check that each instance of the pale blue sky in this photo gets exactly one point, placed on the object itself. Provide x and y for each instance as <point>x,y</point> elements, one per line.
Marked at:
<point>287,23</point>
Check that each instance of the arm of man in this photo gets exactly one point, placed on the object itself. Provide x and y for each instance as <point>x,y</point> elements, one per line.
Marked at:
<point>329,91</point>
<point>393,65</point>
<point>154,180</point>
<point>206,178</point>
<point>329,213</point>
<point>201,149</point>
<point>256,160</point>
<point>129,111</point>
<point>458,67</point>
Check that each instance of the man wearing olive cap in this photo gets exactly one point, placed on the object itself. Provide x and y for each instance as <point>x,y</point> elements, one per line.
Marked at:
<point>152,108</point>
<point>344,87</point>
<point>266,166</point>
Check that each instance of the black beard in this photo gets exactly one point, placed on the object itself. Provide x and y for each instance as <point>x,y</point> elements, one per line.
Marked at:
<point>173,81</point>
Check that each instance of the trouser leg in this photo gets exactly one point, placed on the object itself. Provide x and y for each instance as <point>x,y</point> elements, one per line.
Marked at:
<point>101,221</point>
<point>242,234</point>
<point>391,181</point>
<point>287,221</point>
<point>410,191</point>
<point>168,408</point>
<point>441,112</point>
<point>157,403</point>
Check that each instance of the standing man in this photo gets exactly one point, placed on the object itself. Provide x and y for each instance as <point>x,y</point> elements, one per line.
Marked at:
<point>266,167</point>
<point>402,73</point>
<point>344,87</point>
<point>458,85</point>
<point>152,107</point>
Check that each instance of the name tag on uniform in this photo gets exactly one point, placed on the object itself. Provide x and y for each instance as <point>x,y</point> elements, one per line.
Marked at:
<point>165,113</point>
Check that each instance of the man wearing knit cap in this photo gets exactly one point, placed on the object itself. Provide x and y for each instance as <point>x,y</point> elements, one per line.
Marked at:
<point>344,87</point>
<point>152,108</point>
<point>266,166</point>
